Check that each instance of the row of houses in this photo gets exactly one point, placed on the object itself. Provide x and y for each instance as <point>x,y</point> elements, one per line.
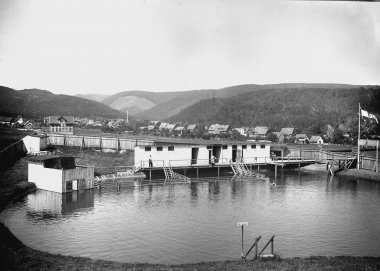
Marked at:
<point>251,132</point>
<point>18,122</point>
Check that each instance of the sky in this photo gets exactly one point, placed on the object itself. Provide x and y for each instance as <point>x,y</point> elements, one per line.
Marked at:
<point>105,47</point>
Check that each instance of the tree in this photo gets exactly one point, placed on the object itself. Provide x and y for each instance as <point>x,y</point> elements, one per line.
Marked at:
<point>272,137</point>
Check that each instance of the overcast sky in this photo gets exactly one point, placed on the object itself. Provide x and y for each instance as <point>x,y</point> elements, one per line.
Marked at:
<point>107,47</point>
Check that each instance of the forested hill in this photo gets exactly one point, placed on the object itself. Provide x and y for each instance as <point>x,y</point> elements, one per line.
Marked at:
<point>35,103</point>
<point>301,108</point>
<point>173,104</point>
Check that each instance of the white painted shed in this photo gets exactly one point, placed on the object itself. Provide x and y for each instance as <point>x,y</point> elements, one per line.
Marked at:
<point>35,143</point>
<point>58,173</point>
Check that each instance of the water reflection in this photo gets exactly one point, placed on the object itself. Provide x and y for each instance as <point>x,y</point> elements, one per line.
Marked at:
<point>46,205</point>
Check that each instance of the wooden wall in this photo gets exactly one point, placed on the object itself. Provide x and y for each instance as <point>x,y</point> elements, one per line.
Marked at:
<point>97,142</point>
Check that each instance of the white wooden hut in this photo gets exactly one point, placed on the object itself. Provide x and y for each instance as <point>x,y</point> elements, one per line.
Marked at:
<point>59,173</point>
<point>187,154</point>
<point>35,143</point>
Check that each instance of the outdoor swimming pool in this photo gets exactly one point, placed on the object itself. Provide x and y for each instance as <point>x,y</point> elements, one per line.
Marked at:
<point>185,223</point>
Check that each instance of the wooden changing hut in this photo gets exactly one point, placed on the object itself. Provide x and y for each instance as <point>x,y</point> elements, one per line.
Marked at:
<point>58,173</point>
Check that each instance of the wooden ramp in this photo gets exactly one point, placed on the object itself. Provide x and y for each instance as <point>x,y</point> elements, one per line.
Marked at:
<point>241,169</point>
<point>173,177</point>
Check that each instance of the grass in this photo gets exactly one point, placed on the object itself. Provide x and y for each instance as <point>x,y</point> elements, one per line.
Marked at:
<point>14,255</point>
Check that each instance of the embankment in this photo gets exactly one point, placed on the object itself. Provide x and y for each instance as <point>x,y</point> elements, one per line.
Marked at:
<point>350,173</point>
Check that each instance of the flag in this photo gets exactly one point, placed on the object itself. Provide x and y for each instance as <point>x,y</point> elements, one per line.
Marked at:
<point>368,115</point>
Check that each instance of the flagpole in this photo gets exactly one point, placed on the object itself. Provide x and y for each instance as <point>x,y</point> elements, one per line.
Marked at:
<point>358,166</point>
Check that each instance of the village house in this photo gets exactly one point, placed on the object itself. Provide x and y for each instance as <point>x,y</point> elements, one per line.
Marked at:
<point>179,129</point>
<point>60,124</point>
<point>218,129</point>
<point>285,133</point>
<point>163,125</point>
<point>7,121</point>
<point>28,124</point>
<point>260,131</point>
<point>193,128</point>
<point>301,139</point>
<point>212,128</point>
<point>59,173</point>
<point>316,140</point>
<point>171,127</point>
<point>17,122</point>
<point>244,131</point>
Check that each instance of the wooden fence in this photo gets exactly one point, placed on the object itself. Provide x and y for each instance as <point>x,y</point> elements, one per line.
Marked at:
<point>97,142</point>
<point>369,163</point>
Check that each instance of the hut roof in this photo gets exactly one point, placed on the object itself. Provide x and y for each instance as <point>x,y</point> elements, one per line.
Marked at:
<point>287,131</point>
<point>56,119</point>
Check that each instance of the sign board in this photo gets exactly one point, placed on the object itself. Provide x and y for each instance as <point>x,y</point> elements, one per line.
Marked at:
<point>242,223</point>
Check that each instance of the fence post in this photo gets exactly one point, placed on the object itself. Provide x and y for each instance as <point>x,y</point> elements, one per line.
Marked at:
<point>377,155</point>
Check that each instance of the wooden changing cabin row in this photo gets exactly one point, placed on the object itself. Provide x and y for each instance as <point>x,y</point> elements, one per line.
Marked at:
<point>185,154</point>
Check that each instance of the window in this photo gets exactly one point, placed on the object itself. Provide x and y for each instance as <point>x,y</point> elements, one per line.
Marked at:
<point>262,146</point>
<point>171,148</point>
<point>225,147</point>
<point>148,148</point>
<point>244,147</point>
<point>253,146</point>
<point>234,147</point>
<point>209,147</point>
<point>159,148</point>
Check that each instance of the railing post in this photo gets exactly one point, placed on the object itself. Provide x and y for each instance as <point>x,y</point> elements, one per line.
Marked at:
<point>256,248</point>
<point>272,247</point>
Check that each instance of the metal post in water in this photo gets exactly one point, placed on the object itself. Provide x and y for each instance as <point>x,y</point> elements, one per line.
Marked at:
<point>242,224</point>
<point>272,247</point>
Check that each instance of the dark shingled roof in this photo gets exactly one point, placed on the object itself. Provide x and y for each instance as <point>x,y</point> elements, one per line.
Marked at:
<point>40,158</point>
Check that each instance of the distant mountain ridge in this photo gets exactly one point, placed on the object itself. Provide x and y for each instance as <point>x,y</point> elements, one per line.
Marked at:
<point>93,97</point>
<point>36,103</point>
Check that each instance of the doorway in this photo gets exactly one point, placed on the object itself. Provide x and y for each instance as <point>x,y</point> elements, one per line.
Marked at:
<point>194,155</point>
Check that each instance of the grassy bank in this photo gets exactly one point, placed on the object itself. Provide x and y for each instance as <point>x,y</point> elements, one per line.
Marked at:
<point>14,255</point>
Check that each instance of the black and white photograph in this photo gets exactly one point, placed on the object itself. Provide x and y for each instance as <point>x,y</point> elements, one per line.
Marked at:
<point>189,135</point>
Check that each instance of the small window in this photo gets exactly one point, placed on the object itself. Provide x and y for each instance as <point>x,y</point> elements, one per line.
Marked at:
<point>234,147</point>
<point>244,147</point>
<point>262,146</point>
<point>148,148</point>
<point>253,146</point>
<point>159,148</point>
<point>171,148</point>
<point>209,147</point>
<point>225,147</point>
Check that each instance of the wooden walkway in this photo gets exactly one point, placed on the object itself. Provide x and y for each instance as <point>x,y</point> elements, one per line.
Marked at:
<point>219,168</point>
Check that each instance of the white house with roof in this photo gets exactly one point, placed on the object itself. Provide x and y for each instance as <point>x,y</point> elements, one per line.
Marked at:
<point>193,153</point>
<point>61,124</point>
<point>163,125</point>
<point>192,128</point>
<point>260,131</point>
<point>316,140</point>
